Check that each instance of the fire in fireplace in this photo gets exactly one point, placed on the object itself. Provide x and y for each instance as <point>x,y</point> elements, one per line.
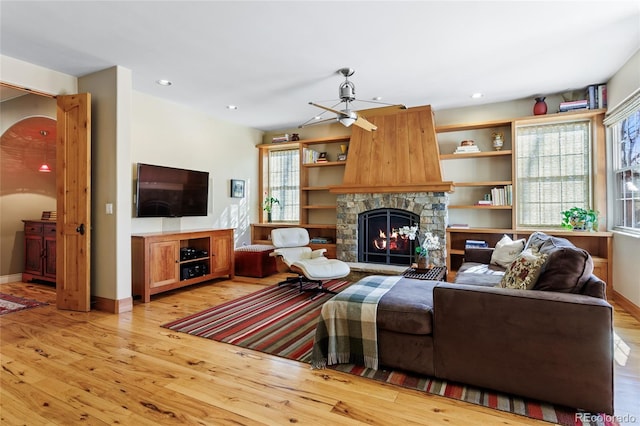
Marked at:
<point>380,239</point>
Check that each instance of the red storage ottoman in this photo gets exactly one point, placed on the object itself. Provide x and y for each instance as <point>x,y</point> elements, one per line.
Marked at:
<point>254,261</point>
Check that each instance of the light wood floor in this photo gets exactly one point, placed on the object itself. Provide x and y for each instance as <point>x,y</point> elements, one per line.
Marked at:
<point>62,368</point>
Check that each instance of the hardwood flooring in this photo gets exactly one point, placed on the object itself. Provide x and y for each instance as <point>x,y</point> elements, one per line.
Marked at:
<point>63,367</point>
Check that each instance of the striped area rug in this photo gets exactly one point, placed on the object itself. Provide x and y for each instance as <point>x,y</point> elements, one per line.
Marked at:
<point>281,321</point>
<point>10,303</point>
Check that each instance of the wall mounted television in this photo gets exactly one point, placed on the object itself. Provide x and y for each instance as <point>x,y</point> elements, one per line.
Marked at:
<point>171,192</point>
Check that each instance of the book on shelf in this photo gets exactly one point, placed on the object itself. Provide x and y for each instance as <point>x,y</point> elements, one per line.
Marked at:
<point>466,149</point>
<point>309,156</point>
<point>322,158</point>
<point>573,105</point>
<point>499,196</point>
<point>475,244</point>
<point>280,139</point>
<point>597,96</point>
<point>320,240</point>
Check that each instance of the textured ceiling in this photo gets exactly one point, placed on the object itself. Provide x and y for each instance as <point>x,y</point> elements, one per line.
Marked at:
<point>271,58</point>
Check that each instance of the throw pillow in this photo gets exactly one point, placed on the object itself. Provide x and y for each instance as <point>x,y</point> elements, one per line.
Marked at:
<point>524,271</point>
<point>506,251</point>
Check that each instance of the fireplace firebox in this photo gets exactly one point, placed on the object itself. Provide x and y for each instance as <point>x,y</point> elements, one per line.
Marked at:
<point>379,238</point>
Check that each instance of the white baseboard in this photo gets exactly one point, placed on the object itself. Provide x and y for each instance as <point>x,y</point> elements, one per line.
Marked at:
<point>10,278</point>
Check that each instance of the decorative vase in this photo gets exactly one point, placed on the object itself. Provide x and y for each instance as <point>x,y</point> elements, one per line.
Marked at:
<point>423,262</point>
<point>497,141</point>
<point>540,107</point>
<point>269,217</point>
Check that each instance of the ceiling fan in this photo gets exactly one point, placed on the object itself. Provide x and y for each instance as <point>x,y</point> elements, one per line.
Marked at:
<point>346,116</point>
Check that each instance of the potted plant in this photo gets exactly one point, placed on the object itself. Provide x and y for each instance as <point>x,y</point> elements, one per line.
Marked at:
<point>267,206</point>
<point>580,219</point>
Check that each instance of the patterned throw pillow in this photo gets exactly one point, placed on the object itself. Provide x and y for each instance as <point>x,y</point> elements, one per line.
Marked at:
<point>506,251</point>
<point>523,273</point>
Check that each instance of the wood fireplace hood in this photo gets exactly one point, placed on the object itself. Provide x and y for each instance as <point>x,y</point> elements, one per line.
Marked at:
<point>401,156</point>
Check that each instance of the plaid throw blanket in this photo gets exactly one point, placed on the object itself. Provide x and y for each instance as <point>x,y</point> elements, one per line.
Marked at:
<point>346,331</point>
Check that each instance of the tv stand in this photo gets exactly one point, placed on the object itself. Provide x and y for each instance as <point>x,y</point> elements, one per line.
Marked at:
<point>169,260</point>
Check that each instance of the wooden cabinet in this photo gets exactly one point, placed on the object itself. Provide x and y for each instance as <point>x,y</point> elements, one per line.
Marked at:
<point>166,261</point>
<point>39,251</point>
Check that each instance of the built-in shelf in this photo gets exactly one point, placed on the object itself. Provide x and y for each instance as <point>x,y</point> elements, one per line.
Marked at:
<point>476,154</point>
<point>327,164</point>
<point>473,206</point>
<point>484,183</point>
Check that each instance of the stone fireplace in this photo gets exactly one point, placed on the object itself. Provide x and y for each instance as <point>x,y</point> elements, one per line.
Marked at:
<point>395,167</point>
<point>430,208</point>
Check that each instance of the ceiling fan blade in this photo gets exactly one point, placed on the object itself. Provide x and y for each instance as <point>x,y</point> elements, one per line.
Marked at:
<point>365,124</point>
<point>340,113</point>
<point>314,122</point>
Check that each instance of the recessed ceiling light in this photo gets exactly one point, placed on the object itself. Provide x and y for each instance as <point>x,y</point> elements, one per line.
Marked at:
<point>163,82</point>
<point>317,117</point>
<point>232,107</point>
<point>377,98</point>
<point>477,95</point>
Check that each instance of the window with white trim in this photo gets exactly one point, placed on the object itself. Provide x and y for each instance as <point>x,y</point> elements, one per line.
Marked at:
<point>553,171</point>
<point>624,132</point>
<point>284,184</point>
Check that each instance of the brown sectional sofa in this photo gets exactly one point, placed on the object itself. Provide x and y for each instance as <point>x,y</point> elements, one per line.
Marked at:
<point>553,343</point>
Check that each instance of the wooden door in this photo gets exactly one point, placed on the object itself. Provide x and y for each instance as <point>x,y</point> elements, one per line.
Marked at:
<point>164,263</point>
<point>33,252</point>
<point>222,252</point>
<point>49,238</point>
<point>73,185</point>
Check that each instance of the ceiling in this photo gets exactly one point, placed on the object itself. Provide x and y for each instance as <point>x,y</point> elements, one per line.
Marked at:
<point>271,58</point>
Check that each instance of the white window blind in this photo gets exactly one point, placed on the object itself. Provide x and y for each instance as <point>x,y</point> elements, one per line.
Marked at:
<point>553,171</point>
<point>625,137</point>
<point>284,184</point>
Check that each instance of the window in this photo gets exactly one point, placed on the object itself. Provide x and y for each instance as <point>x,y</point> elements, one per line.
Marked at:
<point>553,171</point>
<point>284,184</point>
<point>625,137</point>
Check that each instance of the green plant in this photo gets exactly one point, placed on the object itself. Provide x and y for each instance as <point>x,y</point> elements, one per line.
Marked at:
<point>580,218</point>
<point>269,201</point>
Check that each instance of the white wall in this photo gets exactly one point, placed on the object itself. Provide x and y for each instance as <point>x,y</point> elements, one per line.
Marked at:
<point>169,134</point>
<point>110,182</point>
<point>34,77</point>
<point>626,268</point>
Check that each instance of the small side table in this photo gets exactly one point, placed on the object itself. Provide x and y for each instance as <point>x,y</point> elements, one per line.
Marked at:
<point>437,273</point>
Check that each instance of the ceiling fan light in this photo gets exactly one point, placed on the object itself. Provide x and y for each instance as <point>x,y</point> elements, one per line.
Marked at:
<point>347,121</point>
<point>44,168</point>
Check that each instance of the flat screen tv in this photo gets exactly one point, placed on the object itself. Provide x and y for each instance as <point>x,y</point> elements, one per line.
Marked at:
<point>170,192</point>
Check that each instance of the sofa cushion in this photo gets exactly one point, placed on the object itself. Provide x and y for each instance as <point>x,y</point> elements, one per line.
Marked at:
<point>567,268</point>
<point>407,307</point>
<point>474,273</point>
<point>523,273</point>
<point>507,251</point>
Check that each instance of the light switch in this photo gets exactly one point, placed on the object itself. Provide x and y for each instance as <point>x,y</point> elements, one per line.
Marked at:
<point>108,208</point>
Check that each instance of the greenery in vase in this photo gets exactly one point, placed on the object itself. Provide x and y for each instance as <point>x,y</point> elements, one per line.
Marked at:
<point>580,218</point>
<point>269,201</point>
<point>431,242</point>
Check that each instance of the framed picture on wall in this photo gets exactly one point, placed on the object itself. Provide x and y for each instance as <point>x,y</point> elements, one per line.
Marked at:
<point>237,188</point>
